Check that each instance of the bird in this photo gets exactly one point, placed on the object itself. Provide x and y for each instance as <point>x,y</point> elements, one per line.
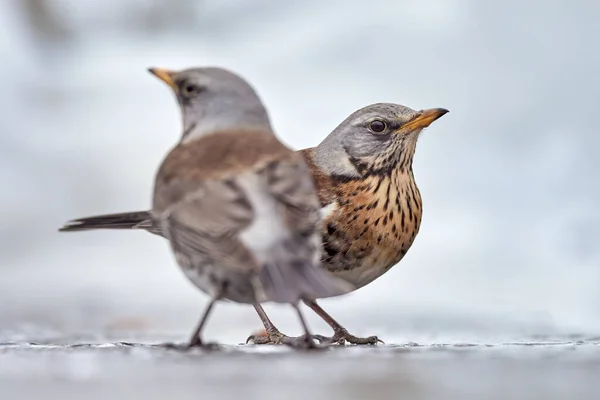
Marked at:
<point>371,207</point>
<point>363,172</point>
<point>238,207</point>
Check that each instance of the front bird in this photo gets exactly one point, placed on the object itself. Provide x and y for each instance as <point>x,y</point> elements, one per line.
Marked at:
<point>238,207</point>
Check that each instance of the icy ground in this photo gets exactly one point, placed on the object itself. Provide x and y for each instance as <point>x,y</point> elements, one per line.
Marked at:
<point>122,370</point>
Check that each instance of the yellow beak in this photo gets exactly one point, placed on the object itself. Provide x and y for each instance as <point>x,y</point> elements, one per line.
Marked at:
<point>164,75</point>
<point>424,118</point>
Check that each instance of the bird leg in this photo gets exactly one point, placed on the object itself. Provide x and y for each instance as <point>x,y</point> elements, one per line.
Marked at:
<point>272,335</point>
<point>196,340</point>
<point>340,334</point>
<point>306,341</point>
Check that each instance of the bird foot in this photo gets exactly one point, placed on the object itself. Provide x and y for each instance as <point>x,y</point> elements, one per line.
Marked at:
<point>273,336</point>
<point>303,342</point>
<point>342,336</point>
<point>278,338</point>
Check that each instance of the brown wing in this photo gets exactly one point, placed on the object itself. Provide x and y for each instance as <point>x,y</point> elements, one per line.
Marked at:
<point>196,201</point>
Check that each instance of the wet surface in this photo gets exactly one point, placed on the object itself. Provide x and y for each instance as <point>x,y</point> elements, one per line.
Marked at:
<point>517,370</point>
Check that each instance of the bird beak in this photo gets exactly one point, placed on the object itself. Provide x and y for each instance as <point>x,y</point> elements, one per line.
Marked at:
<point>424,118</point>
<point>164,75</point>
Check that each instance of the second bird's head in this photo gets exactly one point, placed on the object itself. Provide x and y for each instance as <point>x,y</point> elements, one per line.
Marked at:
<point>377,139</point>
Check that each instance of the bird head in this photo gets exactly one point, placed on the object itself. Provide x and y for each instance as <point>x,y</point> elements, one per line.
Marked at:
<point>214,100</point>
<point>374,140</point>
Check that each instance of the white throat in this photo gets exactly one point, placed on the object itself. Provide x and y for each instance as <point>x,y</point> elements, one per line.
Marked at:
<point>197,130</point>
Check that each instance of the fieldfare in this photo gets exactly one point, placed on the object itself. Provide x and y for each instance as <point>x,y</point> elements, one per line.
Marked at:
<point>239,208</point>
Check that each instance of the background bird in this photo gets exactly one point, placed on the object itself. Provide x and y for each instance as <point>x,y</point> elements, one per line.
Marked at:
<point>371,206</point>
<point>239,208</point>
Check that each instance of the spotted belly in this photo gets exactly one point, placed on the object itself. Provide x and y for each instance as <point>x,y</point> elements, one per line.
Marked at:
<point>371,228</point>
<point>365,266</point>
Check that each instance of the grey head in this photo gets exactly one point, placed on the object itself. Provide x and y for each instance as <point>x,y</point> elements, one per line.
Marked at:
<point>214,100</point>
<point>374,140</point>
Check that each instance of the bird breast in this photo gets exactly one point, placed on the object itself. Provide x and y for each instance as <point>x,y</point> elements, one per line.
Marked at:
<point>373,226</point>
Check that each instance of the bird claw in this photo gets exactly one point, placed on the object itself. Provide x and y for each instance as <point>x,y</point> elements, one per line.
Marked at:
<point>257,339</point>
<point>278,338</point>
<point>273,337</point>
<point>342,336</point>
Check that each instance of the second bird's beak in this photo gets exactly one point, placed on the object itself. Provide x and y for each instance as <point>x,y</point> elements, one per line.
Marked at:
<point>164,75</point>
<point>424,118</point>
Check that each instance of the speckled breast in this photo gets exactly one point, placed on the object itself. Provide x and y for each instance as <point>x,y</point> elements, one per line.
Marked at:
<point>372,226</point>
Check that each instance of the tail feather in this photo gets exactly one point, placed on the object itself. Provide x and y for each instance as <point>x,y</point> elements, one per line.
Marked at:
<point>299,280</point>
<point>128,220</point>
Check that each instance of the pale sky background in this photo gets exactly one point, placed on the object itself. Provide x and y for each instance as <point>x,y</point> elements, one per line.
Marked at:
<point>509,245</point>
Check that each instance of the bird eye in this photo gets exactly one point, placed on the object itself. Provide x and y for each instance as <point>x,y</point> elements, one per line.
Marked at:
<point>377,126</point>
<point>190,89</point>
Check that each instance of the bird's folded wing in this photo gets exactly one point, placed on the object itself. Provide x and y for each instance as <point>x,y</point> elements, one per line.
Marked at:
<point>206,222</point>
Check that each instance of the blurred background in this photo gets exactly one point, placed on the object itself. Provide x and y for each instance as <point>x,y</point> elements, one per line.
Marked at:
<point>509,245</point>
